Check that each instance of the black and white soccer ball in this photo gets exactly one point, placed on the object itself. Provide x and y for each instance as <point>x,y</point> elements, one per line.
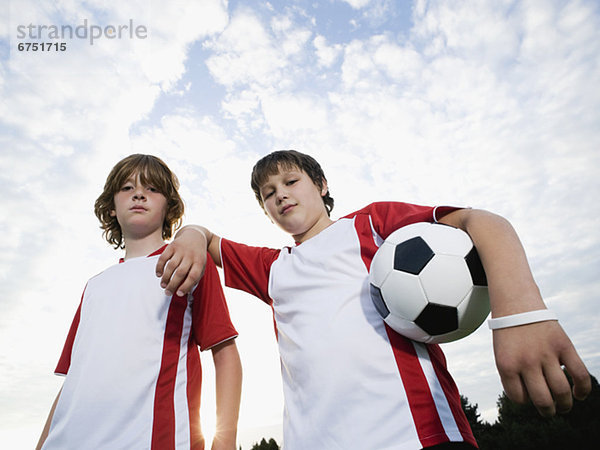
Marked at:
<point>428,283</point>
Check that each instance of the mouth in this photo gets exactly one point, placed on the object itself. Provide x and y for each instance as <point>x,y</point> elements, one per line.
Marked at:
<point>286,208</point>
<point>137,209</point>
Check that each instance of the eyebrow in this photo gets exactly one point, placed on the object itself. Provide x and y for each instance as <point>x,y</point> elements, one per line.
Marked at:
<point>265,187</point>
<point>292,172</point>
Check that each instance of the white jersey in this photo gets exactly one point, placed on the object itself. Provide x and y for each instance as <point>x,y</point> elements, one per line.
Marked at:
<point>133,374</point>
<point>350,382</point>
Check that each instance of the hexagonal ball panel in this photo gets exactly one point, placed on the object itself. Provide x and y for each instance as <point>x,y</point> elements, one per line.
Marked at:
<point>446,280</point>
<point>412,255</point>
<point>438,319</point>
<point>447,240</point>
<point>403,295</point>
<point>474,309</point>
<point>382,264</point>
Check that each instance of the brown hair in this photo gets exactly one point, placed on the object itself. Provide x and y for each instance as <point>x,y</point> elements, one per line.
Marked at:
<point>288,159</point>
<point>152,171</point>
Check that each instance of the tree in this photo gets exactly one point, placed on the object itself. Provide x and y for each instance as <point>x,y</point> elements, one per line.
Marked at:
<point>482,431</point>
<point>521,427</point>
<point>264,445</point>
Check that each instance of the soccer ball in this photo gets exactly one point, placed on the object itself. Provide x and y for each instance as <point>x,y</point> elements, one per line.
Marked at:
<point>428,284</point>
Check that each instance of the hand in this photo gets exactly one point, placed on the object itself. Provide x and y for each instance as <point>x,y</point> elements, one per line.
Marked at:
<point>529,359</point>
<point>181,264</point>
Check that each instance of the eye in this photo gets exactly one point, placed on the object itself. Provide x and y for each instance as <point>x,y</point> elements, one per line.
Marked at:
<point>127,187</point>
<point>290,182</point>
<point>152,189</point>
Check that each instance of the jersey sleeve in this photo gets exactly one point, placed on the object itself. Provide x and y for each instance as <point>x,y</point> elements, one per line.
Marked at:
<point>210,316</point>
<point>247,268</point>
<point>64,361</point>
<point>387,217</point>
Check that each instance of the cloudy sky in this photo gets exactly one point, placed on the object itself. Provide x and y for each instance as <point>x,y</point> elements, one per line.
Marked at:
<point>491,104</point>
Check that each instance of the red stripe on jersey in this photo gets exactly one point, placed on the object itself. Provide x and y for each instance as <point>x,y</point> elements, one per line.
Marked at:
<point>194,382</point>
<point>65,358</point>
<point>420,400</point>
<point>362,225</point>
<point>163,426</point>
<point>425,416</point>
<point>451,392</point>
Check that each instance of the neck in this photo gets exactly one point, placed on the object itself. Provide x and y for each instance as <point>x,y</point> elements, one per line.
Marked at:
<point>323,223</point>
<point>135,247</point>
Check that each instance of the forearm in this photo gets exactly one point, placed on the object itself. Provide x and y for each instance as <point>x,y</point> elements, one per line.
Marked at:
<point>46,429</point>
<point>228,380</point>
<point>511,285</point>
<point>529,357</point>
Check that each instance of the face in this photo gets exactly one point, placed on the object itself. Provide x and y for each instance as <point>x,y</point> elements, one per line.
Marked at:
<point>294,202</point>
<point>140,210</point>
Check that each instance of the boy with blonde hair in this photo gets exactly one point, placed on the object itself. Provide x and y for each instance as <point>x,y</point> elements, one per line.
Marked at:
<point>350,382</point>
<point>131,360</point>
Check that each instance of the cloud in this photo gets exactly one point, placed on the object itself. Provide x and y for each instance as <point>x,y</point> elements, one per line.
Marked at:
<point>357,4</point>
<point>326,54</point>
<point>493,105</point>
<point>245,53</point>
<point>65,121</point>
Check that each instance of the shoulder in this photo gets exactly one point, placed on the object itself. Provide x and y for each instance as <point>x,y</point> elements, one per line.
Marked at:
<point>231,248</point>
<point>382,218</point>
<point>104,273</point>
<point>384,208</point>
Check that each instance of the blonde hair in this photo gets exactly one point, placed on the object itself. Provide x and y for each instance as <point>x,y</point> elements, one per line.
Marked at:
<point>152,171</point>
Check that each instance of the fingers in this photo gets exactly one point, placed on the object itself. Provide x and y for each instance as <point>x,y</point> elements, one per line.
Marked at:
<point>169,272</point>
<point>582,383</point>
<point>539,394</point>
<point>514,388</point>
<point>582,386</point>
<point>190,279</point>
<point>560,389</point>
<point>534,372</point>
<point>173,267</point>
<point>551,393</point>
<point>162,260</point>
<point>180,272</point>
<point>534,385</point>
<point>181,265</point>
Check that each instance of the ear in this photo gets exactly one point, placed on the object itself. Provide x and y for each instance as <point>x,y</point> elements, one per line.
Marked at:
<point>113,213</point>
<point>324,189</point>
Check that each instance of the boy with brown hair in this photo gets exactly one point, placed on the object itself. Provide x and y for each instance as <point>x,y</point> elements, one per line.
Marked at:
<point>350,382</point>
<point>132,367</point>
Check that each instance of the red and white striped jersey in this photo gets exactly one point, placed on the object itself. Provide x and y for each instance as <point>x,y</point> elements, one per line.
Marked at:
<point>350,382</point>
<point>131,361</point>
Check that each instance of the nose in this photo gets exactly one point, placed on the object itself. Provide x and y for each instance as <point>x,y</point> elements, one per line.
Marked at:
<point>281,195</point>
<point>138,193</point>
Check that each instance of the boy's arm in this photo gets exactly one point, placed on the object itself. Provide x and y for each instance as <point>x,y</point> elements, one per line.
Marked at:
<point>528,357</point>
<point>228,380</point>
<point>181,265</point>
<point>46,429</point>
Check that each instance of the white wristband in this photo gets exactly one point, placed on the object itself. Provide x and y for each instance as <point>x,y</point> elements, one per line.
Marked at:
<point>525,318</point>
